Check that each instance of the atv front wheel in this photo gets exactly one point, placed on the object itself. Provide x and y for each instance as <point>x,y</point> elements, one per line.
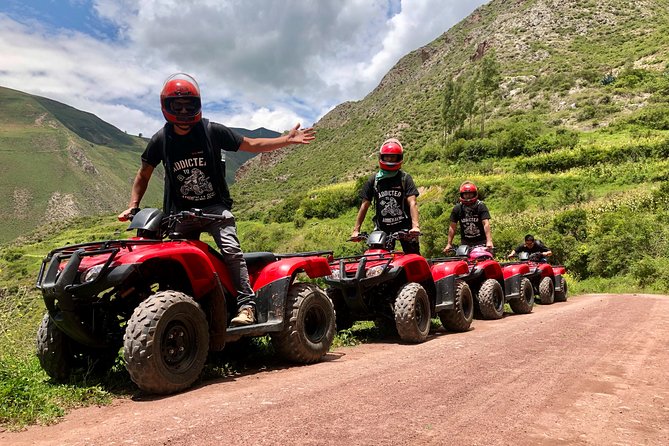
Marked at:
<point>64,359</point>
<point>166,342</point>
<point>459,318</point>
<point>491,300</point>
<point>546,291</point>
<point>412,313</point>
<point>309,326</point>
<point>561,296</point>
<point>524,303</point>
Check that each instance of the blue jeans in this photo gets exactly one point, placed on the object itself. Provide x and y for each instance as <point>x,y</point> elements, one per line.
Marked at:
<point>224,232</point>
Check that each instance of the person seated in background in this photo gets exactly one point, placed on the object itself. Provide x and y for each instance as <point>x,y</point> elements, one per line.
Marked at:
<point>532,246</point>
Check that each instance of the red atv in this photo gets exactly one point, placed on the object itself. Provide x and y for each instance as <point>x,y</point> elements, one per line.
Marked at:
<point>547,280</point>
<point>394,289</point>
<point>169,302</point>
<point>491,286</point>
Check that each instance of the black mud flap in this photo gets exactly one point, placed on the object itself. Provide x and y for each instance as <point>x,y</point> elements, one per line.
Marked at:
<point>445,298</point>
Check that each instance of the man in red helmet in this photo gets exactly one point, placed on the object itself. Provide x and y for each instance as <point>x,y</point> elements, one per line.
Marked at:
<point>394,194</point>
<point>190,149</point>
<point>474,219</point>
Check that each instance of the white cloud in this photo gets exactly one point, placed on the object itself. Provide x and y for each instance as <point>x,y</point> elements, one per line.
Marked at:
<point>259,63</point>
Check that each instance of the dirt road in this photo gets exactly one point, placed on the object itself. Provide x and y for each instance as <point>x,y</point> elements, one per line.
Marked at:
<point>594,370</point>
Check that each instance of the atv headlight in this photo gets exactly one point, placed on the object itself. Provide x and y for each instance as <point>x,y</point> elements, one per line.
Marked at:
<point>91,273</point>
<point>375,271</point>
<point>336,275</point>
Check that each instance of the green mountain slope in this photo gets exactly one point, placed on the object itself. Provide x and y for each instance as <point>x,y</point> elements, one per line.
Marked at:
<point>553,57</point>
<point>55,166</point>
<point>57,162</point>
<point>571,144</point>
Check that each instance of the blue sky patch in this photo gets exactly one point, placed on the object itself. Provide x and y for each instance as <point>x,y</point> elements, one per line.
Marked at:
<point>74,15</point>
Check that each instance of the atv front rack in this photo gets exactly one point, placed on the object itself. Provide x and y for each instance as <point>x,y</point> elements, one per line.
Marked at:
<point>58,255</point>
<point>359,284</point>
<point>62,294</point>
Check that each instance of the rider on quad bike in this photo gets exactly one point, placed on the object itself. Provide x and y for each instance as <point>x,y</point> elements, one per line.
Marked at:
<point>394,289</point>
<point>190,149</point>
<point>474,219</point>
<point>168,302</point>
<point>491,285</point>
<point>548,281</point>
<point>394,194</point>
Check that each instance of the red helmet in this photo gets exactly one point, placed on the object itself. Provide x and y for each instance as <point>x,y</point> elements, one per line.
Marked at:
<point>469,194</point>
<point>391,155</point>
<point>180,100</point>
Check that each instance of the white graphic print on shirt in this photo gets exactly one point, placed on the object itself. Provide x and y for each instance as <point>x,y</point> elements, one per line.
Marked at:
<point>470,222</point>
<point>391,212</point>
<point>195,185</point>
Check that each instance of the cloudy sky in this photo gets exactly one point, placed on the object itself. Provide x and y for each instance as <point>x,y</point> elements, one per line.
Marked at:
<point>259,63</point>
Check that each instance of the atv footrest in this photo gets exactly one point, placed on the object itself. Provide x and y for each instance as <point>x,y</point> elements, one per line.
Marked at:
<point>254,329</point>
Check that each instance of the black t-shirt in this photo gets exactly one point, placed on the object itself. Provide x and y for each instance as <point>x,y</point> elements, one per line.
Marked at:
<point>194,179</point>
<point>471,222</point>
<point>390,199</point>
<point>537,247</point>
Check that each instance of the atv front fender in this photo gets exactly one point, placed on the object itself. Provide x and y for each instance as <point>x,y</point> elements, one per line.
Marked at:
<point>415,267</point>
<point>450,268</point>
<point>286,267</point>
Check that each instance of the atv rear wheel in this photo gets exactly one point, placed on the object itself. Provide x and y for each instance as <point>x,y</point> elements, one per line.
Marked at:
<point>64,359</point>
<point>561,296</point>
<point>412,313</point>
<point>309,325</point>
<point>459,319</point>
<point>166,342</point>
<point>524,303</point>
<point>491,300</point>
<point>342,313</point>
<point>546,291</point>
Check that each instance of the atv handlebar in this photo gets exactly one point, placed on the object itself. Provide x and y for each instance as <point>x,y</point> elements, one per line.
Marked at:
<point>491,250</point>
<point>404,234</point>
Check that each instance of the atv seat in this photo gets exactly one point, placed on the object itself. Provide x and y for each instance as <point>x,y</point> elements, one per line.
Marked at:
<point>258,259</point>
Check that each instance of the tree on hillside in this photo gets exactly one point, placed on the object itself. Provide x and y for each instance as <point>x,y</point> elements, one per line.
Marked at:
<point>451,111</point>
<point>489,83</point>
<point>468,98</point>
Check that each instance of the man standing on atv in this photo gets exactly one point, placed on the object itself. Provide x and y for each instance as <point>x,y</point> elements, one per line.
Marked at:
<point>474,219</point>
<point>532,246</point>
<point>190,149</point>
<point>394,194</point>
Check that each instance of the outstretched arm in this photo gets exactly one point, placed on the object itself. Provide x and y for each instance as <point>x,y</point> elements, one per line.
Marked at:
<point>296,135</point>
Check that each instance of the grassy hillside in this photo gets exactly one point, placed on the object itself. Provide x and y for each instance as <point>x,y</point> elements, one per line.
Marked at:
<point>553,57</point>
<point>574,142</point>
<point>58,163</point>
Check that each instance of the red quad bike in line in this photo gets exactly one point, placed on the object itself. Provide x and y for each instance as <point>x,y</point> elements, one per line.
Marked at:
<point>547,280</point>
<point>168,302</point>
<point>475,269</point>
<point>393,289</point>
